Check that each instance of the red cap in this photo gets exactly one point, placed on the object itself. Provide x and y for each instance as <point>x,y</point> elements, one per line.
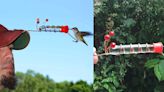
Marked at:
<point>19,38</point>
<point>158,47</point>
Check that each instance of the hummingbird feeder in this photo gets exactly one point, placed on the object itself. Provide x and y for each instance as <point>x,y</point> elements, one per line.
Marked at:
<point>51,28</point>
<point>114,49</point>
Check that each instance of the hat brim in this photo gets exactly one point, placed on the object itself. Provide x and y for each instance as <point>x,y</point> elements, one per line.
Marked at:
<point>21,41</point>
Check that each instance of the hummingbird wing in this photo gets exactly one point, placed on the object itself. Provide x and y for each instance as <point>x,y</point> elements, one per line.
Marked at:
<point>83,33</point>
<point>80,38</point>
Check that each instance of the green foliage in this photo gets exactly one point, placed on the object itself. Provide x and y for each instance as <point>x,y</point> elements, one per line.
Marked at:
<point>135,21</point>
<point>159,70</point>
<point>158,66</point>
<point>35,82</point>
<point>152,63</point>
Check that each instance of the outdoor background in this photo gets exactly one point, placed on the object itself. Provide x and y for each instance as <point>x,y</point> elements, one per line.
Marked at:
<point>54,55</point>
<point>133,21</point>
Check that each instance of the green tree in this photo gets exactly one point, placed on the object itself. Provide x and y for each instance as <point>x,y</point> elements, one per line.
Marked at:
<point>36,82</point>
<point>81,86</point>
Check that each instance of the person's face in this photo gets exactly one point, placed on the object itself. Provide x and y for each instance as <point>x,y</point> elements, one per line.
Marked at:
<point>7,72</point>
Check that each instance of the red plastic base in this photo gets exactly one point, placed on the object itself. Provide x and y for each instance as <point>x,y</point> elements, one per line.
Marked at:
<point>158,47</point>
<point>64,29</point>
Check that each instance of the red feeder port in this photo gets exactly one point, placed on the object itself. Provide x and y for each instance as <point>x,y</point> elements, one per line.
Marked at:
<point>46,20</point>
<point>111,33</point>
<point>158,47</point>
<point>112,44</point>
<point>64,29</point>
<point>37,21</point>
<point>106,37</point>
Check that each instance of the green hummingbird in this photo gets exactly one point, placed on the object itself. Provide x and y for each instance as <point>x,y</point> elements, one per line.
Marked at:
<point>79,35</point>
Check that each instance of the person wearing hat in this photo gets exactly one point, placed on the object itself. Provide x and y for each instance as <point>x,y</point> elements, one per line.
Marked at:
<point>10,40</point>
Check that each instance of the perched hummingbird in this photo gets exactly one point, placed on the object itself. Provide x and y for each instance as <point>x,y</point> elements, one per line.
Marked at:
<point>79,35</point>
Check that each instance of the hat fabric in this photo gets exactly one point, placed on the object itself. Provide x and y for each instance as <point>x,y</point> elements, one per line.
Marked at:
<point>19,38</point>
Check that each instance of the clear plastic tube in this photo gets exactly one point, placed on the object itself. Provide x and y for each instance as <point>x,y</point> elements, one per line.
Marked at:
<point>136,49</point>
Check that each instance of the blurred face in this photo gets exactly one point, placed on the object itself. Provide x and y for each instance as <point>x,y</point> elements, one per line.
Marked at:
<point>7,72</point>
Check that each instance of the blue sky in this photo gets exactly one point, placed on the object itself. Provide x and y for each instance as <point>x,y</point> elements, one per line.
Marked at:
<point>53,54</point>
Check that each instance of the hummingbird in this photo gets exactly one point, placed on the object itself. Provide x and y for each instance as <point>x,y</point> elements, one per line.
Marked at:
<point>79,35</point>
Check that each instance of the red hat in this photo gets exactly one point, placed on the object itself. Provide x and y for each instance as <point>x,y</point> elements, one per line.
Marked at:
<point>19,38</point>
